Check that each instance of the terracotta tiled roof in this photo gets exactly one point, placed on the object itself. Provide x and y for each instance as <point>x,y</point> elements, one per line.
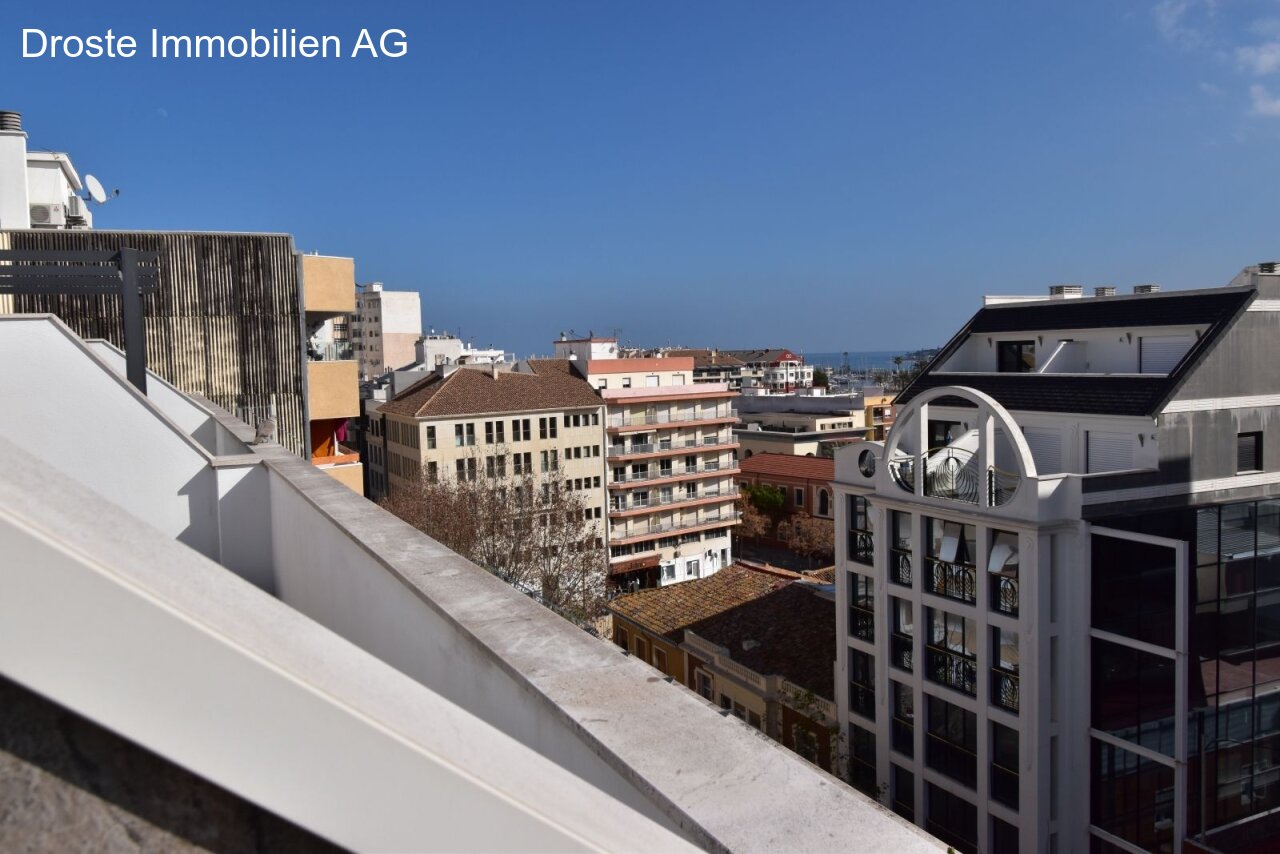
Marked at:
<point>669,610</point>
<point>790,465</point>
<point>708,358</point>
<point>758,356</point>
<point>823,576</point>
<point>790,632</point>
<point>626,366</point>
<point>793,627</point>
<point>551,384</point>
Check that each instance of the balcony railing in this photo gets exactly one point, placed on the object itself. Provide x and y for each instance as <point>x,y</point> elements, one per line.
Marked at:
<point>622,506</point>
<point>862,624</point>
<point>660,447</point>
<point>901,651</point>
<point>646,420</point>
<point>953,474</point>
<point>1004,594</point>
<point>665,527</point>
<point>862,547</point>
<point>337,351</point>
<point>900,567</point>
<point>1004,689</point>
<point>675,471</point>
<point>953,580</point>
<point>952,669</point>
<point>1004,786</point>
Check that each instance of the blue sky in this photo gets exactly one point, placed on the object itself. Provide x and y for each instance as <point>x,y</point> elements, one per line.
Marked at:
<point>822,176</point>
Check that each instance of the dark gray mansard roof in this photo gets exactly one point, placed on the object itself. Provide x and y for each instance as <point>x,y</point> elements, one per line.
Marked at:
<point>1101,394</point>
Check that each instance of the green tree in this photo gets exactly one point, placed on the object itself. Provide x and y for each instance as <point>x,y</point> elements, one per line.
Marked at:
<point>820,377</point>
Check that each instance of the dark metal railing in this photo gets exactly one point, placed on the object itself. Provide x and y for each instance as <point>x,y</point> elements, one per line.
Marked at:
<point>1004,689</point>
<point>862,624</point>
<point>1004,594</point>
<point>953,580</point>
<point>900,567</point>
<point>952,669</point>
<point>862,547</point>
<point>901,651</point>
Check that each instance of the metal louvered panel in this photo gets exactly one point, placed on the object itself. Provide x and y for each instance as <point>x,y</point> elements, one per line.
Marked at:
<point>225,322</point>
<point>1160,354</point>
<point>1108,451</point>
<point>1046,448</point>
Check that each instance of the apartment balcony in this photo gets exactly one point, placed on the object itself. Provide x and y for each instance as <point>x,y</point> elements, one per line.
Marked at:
<point>901,651</point>
<point>675,472</point>
<point>328,285</point>
<point>620,422</point>
<point>953,580</point>
<point>953,669</point>
<point>333,390</point>
<point>618,510</point>
<point>639,532</point>
<point>668,448</point>
<point>344,467</point>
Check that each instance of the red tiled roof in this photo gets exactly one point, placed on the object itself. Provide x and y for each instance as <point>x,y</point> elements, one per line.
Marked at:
<point>790,465</point>
<point>624,366</point>
<point>551,384</point>
<point>708,358</point>
<point>792,627</point>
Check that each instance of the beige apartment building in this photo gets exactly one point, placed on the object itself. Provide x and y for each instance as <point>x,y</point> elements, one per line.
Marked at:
<point>470,422</point>
<point>385,328</point>
<point>671,464</point>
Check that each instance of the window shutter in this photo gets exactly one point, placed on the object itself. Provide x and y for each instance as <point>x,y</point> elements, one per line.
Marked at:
<point>1109,451</point>
<point>1160,354</point>
<point>1046,448</point>
<point>1247,455</point>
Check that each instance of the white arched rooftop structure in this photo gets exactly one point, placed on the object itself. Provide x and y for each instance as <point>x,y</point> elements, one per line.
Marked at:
<point>985,465</point>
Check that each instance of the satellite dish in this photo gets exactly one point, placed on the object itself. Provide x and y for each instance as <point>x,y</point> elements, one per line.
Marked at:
<point>96,192</point>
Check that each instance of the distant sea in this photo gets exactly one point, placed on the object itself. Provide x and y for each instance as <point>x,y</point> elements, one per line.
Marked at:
<point>872,360</point>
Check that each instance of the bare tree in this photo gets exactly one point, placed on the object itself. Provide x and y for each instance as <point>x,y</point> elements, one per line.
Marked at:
<point>811,537</point>
<point>526,528</point>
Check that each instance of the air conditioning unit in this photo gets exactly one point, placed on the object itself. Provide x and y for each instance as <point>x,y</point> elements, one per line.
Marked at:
<point>48,216</point>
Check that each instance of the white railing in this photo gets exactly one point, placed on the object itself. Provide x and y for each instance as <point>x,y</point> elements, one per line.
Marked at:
<point>623,507</point>
<point>660,447</point>
<point>645,419</point>
<point>638,530</point>
<point>675,471</point>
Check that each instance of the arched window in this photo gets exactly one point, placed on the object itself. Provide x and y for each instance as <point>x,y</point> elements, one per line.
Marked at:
<point>824,503</point>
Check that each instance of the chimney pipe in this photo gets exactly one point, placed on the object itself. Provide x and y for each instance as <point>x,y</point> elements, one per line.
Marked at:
<point>1104,291</point>
<point>10,121</point>
<point>1146,289</point>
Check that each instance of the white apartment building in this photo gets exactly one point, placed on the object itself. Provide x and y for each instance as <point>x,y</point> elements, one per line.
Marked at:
<point>671,459</point>
<point>385,329</point>
<point>1059,574</point>
<point>40,189</point>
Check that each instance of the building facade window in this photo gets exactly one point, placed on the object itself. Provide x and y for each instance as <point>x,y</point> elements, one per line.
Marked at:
<point>862,673</point>
<point>1002,566</point>
<point>903,792</point>
<point>902,638</point>
<point>952,819</point>
<point>953,548</point>
<point>900,548</point>
<point>862,621</point>
<point>1016,357</point>
<point>1248,452</point>
<point>951,741</point>
<point>1004,765</point>
<point>1005,683</point>
<point>951,653</point>
<point>431,438</point>
<point>861,533</point>
<point>862,760</point>
<point>903,729</point>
